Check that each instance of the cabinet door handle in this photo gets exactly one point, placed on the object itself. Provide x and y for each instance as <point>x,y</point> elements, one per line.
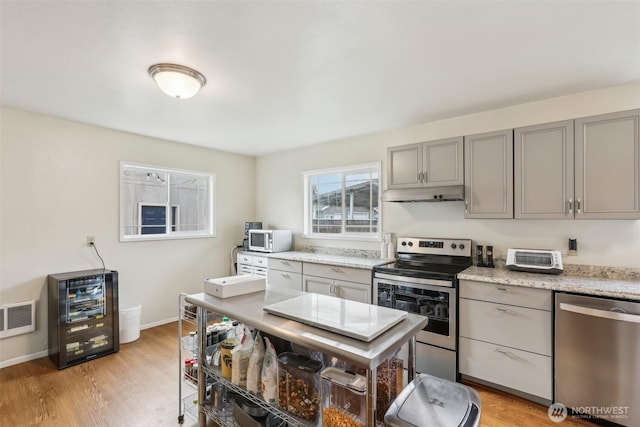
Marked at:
<point>333,290</point>
<point>570,204</point>
<point>425,176</point>
<point>578,205</point>
<point>336,269</point>
<point>505,352</point>
<point>419,176</point>
<point>503,310</point>
<point>466,207</point>
<point>503,289</point>
<point>285,275</point>
<point>285,262</point>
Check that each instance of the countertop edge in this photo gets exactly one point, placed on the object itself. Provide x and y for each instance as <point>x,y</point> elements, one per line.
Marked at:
<point>328,259</point>
<point>247,309</point>
<point>605,287</point>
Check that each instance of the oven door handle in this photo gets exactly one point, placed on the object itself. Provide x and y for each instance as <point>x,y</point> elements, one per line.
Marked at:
<point>415,282</point>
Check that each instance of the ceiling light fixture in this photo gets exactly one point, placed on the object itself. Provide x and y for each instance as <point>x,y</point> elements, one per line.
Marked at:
<point>177,81</point>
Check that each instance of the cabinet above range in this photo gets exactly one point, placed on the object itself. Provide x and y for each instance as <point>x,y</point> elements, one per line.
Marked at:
<point>426,171</point>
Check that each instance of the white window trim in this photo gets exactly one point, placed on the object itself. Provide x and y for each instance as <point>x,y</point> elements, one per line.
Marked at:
<point>211,198</point>
<point>307,234</point>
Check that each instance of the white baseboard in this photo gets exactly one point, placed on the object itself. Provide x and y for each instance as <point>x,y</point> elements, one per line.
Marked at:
<point>25,358</point>
<point>45,353</point>
<point>158,323</point>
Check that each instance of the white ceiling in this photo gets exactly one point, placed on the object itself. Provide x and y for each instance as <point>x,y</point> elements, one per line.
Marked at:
<point>284,74</point>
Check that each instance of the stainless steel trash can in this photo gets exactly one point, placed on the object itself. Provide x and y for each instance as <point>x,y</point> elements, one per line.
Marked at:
<point>432,401</point>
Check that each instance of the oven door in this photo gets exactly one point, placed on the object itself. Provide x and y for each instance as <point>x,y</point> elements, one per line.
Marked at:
<point>438,303</point>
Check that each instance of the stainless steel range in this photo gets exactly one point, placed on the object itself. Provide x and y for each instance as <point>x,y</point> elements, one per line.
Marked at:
<point>424,281</point>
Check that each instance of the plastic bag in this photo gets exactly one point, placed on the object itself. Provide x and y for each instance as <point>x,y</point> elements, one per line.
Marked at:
<point>269,375</point>
<point>240,359</point>
<point>254,372</point>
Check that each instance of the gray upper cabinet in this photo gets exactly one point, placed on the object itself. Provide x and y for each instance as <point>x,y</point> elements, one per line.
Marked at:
<point>607,161</point>
<point>543,171</point>
<point>488,163</point>
<point>426,164</point>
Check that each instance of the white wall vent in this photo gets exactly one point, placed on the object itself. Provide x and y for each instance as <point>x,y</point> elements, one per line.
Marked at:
<point>18,318</point>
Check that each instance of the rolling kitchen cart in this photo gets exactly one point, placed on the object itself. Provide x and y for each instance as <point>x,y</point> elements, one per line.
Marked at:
<point>83,316</point>
<point>186,365</point>
<point>188,359</point>
<point>248,309</point>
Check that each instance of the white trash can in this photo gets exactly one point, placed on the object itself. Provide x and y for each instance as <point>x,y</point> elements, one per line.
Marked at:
<point>129,322</point>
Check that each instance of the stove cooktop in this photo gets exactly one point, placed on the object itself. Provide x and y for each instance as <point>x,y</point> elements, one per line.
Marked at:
<point>434,271</point>
<point>428,268</point>
<point>429,258</point>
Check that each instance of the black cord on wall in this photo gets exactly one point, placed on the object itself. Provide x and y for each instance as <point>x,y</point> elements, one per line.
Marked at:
<point>98,253</point>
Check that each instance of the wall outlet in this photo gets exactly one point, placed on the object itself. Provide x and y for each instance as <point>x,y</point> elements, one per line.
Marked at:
<point>91,240</point>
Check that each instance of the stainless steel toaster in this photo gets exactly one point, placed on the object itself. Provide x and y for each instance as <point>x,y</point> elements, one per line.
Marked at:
<point>534,260</point>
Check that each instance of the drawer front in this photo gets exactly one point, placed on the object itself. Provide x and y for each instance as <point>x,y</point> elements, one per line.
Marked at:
<point>260,271</point>
<point>284,279</point>
<point>285,265</point>
<point>520,370</point>
<point>517,327</point>
<point>260,261</point>
<point>244,259</point>
<point>540,299</point>
<point>245,269</point>
<point>358,275</point>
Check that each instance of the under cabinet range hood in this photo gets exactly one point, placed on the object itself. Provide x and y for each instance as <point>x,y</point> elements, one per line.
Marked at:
<point>425,194</point>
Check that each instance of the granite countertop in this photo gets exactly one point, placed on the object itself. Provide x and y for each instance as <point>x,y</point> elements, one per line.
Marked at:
<point>602,281</point>
<point>331,259</point>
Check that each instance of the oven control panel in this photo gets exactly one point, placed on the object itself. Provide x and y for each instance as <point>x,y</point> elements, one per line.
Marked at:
<point>424,245</point>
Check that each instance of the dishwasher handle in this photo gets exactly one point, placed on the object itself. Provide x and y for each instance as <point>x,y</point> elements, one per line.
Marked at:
<point>613,315</point>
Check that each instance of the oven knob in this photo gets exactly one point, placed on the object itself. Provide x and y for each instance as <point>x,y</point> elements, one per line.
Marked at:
<point>404,243</point>
<point>461,246</point>
<point>453,246</point>
<point>410,243</point>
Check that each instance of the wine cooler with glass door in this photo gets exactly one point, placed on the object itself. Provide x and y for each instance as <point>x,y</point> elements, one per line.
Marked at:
<point>83,316</point>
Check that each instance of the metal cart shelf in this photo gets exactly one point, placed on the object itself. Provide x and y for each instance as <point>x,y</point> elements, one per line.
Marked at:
<point>247,309</point>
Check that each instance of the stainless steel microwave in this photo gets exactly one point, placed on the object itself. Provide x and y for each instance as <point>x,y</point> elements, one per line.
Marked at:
<point>270,240</point>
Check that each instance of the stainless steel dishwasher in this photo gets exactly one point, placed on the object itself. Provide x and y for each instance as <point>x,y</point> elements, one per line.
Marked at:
<point>597,357</point>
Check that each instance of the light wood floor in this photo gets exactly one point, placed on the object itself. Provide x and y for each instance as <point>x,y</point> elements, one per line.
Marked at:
<point>138,386</point>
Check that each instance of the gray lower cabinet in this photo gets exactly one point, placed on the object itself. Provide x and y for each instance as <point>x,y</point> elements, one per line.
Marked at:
<point>488,170</point>
<point>543,171</point>
<point>505,337</point>
<point>426,164</point>
<point>607,161</point>
<point>342,282</point>
<point>285,274</point>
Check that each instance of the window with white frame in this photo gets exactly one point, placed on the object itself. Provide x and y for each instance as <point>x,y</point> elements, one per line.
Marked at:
<point>343,202</point>
<point>161,203</point>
